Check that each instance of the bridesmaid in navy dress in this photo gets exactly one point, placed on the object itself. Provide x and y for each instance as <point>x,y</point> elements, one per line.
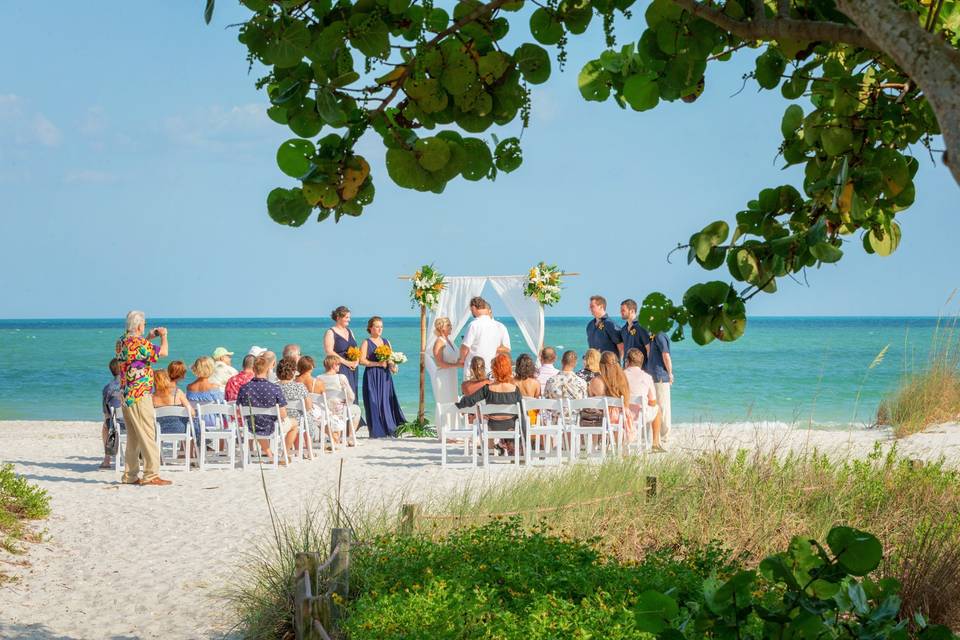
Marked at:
<point>337,340</point>
<point>379,397</point>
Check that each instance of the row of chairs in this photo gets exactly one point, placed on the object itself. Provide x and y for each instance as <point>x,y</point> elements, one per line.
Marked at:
<point>559,427</point>
<point>230,431</point>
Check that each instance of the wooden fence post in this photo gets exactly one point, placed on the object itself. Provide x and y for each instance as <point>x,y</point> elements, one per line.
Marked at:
<point>304,594</point>
<point>339,572</point>
<point>408,518</point>
<point>653,488</point>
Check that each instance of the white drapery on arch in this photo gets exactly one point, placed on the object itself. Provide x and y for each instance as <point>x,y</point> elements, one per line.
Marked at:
<point>455,305</point>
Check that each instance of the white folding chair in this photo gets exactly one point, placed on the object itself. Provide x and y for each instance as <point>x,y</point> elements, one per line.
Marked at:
<point>303,427</point>
<point>645,428</point>
<point>455,425</point>
<point>336,423</point>
<point>578,430</point>
<point>549,429</point>
<point>223,435</point>
<point>250,436</point>
<point>516,433</point>
<point>120,427</point>
<point>174,439</point>
<point>616,429</point>
<point>322,422</point>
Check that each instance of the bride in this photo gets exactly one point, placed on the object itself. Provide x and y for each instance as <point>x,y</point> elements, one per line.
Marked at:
<point>447,360</point>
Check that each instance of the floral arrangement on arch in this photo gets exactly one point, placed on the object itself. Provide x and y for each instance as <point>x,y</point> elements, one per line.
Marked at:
<point>426,288</point>
<point>543,284</point>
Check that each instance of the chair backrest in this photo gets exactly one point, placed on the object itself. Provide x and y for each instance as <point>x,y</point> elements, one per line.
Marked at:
<point>116,417</point>
<point>587,403</point>
<point>226,412</point>
<point>335,394</point>
<point>273,411</point>
<point>614,402</point>
<point>172,411</point>
<point>499,409</point>
<point>536,404</point>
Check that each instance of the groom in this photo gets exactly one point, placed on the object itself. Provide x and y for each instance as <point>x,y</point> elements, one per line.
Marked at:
<point>485,337</point>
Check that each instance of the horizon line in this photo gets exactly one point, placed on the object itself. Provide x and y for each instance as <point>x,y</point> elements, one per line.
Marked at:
<point>415,317</point>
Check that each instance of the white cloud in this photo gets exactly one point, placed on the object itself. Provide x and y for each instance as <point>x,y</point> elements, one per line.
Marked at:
<point>217,128</point>
<point>23,126</point>
<point>89,176</point>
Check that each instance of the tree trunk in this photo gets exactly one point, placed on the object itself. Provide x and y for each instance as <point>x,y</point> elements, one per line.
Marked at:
<point>423,362</point>
<point>929,61</point>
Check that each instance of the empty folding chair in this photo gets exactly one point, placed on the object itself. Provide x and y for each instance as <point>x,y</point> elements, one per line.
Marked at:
<point>120,427</point>
<point>222,435</point>
<point>578,429</point>
<point>175,439</point>
<point>546,436</point>
<point>455,424</point>
<point>250,437</point>
<point>499,411</point>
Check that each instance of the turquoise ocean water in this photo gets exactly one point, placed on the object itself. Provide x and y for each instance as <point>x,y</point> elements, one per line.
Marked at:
<point>783,369</point>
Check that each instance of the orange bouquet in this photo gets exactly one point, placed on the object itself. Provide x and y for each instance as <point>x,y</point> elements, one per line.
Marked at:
<point>383,353</point>
<point>353,354</point>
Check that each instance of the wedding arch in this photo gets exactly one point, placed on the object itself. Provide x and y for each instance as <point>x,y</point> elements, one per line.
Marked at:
<point>453,302</point>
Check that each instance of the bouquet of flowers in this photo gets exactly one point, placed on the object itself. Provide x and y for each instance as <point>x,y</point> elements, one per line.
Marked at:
<point>426,288</point>
<point>353,354</point>
<point>383,353</point>
<point>398,357</point>
<point>543,284</point>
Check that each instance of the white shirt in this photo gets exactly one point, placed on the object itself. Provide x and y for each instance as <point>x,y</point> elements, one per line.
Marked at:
<point>221,373</point>
<point>546,372</point>
<point>484,336</point>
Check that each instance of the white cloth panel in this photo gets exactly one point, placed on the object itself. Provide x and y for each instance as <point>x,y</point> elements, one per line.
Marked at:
<point>527,312</point>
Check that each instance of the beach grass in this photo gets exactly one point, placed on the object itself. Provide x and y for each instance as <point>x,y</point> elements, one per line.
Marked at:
<point>749,503</point>
<point>928,395</point>
<point>20,502</point>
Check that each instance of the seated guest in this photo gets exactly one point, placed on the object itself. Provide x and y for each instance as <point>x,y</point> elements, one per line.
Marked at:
<point>502,390</point>
<point>112,399</point>
<point>333,380</point>
<point>177,371</point>
<point>566,385</point>
<point>167,395</point>
<point>291,351</point>
<point>643,396</point>
<point>233,385</point>
<point>477,377</point>
<point>591,365</point>
<point>526,378</point>
<point>305,367</point>
<point>223,367</point>
<point>294,391</point>
<point>548,356</point>
<point>263,394</point>
<point>612,383</point>
<point>203,390</point>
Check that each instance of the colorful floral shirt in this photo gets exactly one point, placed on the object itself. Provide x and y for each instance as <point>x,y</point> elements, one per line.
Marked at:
<point>136,355</point>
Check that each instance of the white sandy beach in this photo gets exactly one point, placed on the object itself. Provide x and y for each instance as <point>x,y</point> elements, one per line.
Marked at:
<point>148,562</point>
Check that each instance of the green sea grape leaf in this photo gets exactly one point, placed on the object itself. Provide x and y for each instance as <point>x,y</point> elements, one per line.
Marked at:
<point>653,611</point>
<point>533,62</point>
<point>545,26</point>
<point>432,153</point>
<point>792,119</point>
<point>291,45</point>
<point>857,551</point>
<point>288,207</point>
<point>641,92</point>
<point>293,157</point>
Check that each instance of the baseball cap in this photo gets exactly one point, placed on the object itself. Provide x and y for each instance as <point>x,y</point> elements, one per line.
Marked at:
<point>219,352</point>
<point>256,351</point>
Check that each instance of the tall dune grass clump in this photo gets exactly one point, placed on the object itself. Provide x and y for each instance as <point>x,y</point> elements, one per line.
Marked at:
<point>19,501</point>
<point>930,395</point>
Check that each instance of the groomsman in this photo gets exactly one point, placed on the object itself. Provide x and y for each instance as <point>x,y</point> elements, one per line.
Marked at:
<point>632,334</point>
<point>602,333</point>
<point>660,366</point>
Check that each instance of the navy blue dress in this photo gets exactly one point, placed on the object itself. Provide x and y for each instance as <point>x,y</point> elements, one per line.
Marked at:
<point>380,402</point>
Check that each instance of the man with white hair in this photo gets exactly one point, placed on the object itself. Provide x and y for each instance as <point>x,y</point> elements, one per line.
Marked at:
<point>137,355</point>
<point>292,351</point>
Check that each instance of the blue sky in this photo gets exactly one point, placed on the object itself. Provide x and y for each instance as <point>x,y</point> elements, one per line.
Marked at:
<point>135,159</point>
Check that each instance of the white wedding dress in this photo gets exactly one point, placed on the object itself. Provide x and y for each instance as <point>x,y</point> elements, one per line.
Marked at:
<point>446,388</point>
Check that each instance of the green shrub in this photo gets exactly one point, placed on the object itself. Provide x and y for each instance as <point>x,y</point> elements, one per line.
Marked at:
<point>19,501</point>
<point>501,580</point>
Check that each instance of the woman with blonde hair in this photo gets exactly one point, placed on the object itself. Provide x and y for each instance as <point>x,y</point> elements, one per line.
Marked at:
<point>612,383</point>
<point>203,390</point>
<point>333,380</point>
<point>446,357</point>
<point>591,365</point>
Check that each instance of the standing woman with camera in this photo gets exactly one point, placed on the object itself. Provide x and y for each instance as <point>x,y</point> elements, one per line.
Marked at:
<point>137,355</point>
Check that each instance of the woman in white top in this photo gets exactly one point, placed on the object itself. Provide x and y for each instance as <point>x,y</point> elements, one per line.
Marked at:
<point>646,410</point>
<point>447,359</point>
<point>333,380</point>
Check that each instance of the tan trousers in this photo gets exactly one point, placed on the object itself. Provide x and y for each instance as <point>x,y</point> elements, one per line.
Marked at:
<point>141,440</point>
<point>662,389</point>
